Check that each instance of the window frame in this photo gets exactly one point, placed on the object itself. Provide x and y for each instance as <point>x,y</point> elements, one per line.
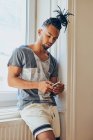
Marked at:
<point>9,98</point>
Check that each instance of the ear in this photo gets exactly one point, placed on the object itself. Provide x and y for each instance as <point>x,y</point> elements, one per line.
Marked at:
<point>39,31</point>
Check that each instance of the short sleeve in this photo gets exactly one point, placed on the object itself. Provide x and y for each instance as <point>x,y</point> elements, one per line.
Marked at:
<point>17,58</point>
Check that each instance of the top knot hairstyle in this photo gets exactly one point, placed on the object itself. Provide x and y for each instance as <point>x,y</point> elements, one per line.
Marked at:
<point>60,20</point>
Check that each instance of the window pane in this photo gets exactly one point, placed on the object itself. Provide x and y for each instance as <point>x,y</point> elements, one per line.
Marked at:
<point>12,34</point>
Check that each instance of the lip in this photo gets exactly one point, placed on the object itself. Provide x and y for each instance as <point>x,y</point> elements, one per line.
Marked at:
<point>48,45</point>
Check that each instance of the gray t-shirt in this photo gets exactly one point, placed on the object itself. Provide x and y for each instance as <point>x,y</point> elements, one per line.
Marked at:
<point>33,69</point>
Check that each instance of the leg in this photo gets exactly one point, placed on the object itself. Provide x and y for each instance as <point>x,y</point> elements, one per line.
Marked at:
<point>38,118</point>
<point>43,121</point>
<point>55,122</point>
<point>47,135</point>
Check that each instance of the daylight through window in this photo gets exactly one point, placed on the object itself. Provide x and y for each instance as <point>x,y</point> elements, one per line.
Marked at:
<point>12,35</point>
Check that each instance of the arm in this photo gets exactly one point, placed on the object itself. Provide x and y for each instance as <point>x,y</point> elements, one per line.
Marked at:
<point>15,81</point>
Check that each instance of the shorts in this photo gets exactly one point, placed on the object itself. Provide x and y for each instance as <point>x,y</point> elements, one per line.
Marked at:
<point>41,117</point>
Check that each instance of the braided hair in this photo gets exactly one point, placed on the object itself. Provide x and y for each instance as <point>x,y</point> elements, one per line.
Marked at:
<point>60,20</point>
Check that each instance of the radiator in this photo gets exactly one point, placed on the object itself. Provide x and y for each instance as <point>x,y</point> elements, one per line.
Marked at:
<point>14,129</point>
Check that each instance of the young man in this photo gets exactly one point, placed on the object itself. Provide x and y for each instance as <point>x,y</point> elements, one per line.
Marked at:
<point>33,70</point>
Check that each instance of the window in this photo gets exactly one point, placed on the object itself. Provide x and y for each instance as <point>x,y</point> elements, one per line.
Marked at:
<point>12,35</point>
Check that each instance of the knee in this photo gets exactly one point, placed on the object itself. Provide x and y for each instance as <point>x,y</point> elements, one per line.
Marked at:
<point>48,135</point>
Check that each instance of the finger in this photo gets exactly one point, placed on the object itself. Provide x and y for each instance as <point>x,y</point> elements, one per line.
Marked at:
<point>49,82</point>
<point>49,85</point>
<point>55,90</point>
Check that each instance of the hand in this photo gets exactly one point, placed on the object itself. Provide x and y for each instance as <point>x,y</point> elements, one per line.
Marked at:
<point>45,86</point>
<point>58,88</point>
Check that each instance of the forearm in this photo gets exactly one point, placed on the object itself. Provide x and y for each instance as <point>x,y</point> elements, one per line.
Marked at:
<point>19,83</point>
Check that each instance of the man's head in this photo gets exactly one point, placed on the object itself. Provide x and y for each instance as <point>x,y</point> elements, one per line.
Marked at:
<point>48,35</point>
<point>52,21</point>
<point>51,28</point>
<point>60,20</point>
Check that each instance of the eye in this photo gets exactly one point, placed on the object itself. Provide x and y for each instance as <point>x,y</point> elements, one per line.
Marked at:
<point>48,36</point>
<point>54,39</point>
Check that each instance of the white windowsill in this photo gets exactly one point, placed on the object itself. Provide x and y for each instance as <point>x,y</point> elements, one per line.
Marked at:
<point>8,113</point>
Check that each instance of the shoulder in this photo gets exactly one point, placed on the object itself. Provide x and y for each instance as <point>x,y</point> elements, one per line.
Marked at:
<point>23,49</point>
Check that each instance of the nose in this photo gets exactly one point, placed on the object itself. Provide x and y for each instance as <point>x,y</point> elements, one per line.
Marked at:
<point>51,40</point>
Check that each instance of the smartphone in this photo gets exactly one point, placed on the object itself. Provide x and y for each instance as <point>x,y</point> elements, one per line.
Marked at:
<point>56,83</point>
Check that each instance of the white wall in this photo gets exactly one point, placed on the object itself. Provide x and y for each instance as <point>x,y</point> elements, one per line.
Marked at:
<point>81,53</point>
<point>84,74</point>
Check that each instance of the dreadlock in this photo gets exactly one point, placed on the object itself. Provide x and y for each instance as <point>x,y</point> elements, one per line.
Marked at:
<point>60,20</point>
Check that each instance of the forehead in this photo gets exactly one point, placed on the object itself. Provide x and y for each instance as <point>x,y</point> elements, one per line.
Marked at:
<point>52,30</point>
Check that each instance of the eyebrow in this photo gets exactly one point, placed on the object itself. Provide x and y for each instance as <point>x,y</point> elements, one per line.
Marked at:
<point>52,35</point>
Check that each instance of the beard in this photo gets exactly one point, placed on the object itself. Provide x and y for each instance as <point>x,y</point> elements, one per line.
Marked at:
<point>45,47</point>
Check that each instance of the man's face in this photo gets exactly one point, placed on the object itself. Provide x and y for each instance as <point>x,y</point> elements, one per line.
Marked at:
<point>48,35</point>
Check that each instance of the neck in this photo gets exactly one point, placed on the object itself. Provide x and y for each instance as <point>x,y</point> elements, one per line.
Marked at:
<point>39,51</point>
<point>37,47</point>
